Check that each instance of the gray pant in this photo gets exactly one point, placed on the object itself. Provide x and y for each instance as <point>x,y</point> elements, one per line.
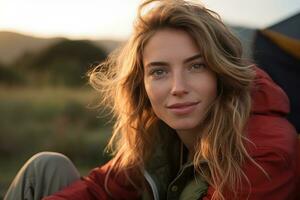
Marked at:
<point>42,175</point>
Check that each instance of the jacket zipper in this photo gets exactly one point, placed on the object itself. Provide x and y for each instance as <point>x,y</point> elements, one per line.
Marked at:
<point>152,185</point>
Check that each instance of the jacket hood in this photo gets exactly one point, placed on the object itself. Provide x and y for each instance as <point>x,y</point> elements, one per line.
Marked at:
<point>267,97</point>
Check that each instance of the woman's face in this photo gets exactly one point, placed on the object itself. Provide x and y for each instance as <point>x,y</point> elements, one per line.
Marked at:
<point>179,85</point>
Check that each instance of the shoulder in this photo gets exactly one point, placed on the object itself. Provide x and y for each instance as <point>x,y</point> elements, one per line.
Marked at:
<point>273,145</point>
<point>271,135</point>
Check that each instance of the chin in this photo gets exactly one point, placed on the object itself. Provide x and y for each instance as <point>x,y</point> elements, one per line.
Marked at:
<point>183,126</point>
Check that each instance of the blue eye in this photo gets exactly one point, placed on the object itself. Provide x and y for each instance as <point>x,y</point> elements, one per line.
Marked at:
<point>197,67</point>
<point>157,73</point>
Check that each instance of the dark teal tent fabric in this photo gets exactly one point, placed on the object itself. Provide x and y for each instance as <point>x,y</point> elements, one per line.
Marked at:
<point>283,67</point>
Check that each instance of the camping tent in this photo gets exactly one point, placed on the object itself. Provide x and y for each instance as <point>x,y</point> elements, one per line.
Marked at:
<point>276,49</point>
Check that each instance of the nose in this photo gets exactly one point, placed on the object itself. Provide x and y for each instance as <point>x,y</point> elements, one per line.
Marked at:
<point>179,87</point>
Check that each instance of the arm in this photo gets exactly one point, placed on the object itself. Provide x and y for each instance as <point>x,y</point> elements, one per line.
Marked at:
<point>92,187</point>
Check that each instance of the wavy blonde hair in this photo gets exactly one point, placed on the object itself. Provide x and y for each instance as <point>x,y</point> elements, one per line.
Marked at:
<point>120,79</point>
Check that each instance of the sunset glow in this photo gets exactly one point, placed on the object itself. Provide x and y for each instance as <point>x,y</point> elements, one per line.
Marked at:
<point>113,19</point>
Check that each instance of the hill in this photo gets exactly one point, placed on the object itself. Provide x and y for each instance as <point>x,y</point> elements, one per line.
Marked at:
<point>63,63</point>
<point>14,45</point>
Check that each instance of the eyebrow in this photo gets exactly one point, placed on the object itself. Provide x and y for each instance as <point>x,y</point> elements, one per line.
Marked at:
<point>161,63</point>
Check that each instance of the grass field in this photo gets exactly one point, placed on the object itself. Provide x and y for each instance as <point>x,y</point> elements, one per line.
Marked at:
<point>50,119</point>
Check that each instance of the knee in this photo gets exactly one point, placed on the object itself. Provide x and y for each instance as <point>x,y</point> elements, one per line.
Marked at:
<point>50,161</point>
<point>50,157</point>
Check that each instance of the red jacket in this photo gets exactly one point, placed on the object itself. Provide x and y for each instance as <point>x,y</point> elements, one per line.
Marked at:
<point>274,147</point>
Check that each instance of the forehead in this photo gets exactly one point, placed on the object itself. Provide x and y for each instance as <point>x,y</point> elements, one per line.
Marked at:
<point>170,44</point>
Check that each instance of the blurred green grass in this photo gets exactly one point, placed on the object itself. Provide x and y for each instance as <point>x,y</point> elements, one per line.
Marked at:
<point>50,119</point>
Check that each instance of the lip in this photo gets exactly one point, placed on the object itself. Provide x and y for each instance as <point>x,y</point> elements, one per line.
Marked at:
<point>183,108</point>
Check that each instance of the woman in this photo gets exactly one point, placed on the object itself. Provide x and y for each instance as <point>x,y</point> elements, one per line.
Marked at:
<point>186,127</point>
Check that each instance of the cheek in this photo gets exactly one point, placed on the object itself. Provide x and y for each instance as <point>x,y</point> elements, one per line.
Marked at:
<point>208,88</point>
<point>156,95</point>
<point>212,91</point>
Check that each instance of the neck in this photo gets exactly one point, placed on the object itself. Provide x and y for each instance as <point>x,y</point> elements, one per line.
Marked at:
<point>189,139</point>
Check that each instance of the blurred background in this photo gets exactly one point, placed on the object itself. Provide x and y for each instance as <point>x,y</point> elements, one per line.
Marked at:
<point>46,48</point>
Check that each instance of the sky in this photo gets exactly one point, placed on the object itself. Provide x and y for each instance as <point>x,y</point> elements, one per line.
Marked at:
<point>113,19</point>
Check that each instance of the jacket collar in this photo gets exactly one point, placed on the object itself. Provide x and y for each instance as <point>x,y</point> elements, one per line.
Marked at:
<point>267,97</point>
